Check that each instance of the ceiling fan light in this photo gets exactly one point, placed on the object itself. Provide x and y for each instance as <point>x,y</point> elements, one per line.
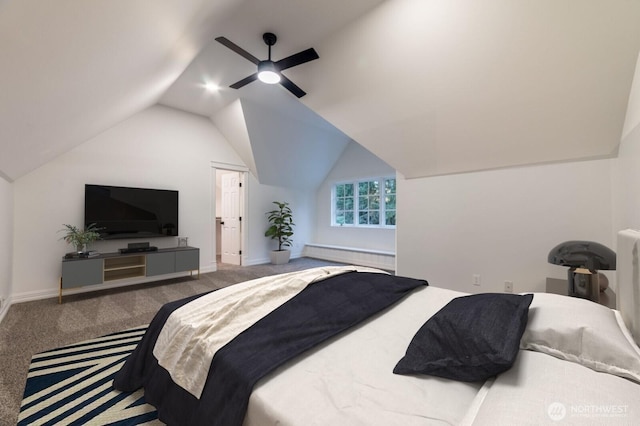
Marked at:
<point>268,73</point>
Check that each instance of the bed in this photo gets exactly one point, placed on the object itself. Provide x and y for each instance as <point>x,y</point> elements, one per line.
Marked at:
<point>357,346</point>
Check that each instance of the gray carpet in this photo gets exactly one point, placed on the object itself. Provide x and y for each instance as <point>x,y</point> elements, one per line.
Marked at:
<point>33,327</point>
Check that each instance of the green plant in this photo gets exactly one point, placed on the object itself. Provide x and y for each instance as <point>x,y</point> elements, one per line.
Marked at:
<point>79,237</point>
<point>281,225</point>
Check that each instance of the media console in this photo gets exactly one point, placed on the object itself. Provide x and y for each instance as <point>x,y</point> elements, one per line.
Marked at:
<point>108,267</point>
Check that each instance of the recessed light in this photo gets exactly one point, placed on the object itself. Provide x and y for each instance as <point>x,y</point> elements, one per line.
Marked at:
<point>211,87</point>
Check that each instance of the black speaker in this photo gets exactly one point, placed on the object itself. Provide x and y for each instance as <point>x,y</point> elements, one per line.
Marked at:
<point>137,245</point>
<point>137,248</point>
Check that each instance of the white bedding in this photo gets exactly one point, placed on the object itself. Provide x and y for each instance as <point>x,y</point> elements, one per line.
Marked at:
<point>349,380</point>
<point>543,390</point>
<point>195,332</point>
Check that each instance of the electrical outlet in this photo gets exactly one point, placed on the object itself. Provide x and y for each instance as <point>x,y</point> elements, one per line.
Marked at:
<point>476,279</point>
<point>508,286</point>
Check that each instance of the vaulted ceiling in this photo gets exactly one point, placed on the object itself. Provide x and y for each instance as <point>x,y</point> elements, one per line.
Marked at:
<point>429,86</point>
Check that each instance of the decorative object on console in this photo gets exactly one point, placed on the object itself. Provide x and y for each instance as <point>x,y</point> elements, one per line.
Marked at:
<point>584,259</point>
<point>281,229</point>
<point>79,237</point>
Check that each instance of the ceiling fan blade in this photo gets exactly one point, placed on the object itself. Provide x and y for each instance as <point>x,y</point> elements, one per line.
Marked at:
<point>244,81</point>
<point>239,50</point>
<point>297,59</point>
<point>290,86</point>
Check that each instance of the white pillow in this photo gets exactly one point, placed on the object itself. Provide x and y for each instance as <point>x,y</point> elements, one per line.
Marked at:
<point>581,331</point>
<point>543,390</point>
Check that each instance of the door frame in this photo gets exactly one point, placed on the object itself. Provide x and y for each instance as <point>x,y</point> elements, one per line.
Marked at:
<point>244,208</point>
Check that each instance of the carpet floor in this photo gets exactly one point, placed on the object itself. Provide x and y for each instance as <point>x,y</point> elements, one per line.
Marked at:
<point>33,327</point>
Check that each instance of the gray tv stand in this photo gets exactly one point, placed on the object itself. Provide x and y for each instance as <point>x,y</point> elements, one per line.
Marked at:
<point>109,267</point>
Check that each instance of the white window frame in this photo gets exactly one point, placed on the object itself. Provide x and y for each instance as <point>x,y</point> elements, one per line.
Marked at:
<point>356,208</point>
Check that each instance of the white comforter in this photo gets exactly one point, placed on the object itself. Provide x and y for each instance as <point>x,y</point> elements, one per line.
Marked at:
<point>195,332</point>
<point>349,380</point>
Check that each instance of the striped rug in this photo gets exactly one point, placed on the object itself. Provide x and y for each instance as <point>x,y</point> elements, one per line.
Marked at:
<point>72,385</point>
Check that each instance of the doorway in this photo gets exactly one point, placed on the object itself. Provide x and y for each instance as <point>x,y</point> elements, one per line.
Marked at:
<point>229,208</point>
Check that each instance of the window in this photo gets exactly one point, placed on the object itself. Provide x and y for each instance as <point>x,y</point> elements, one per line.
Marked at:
<point>369,202</point>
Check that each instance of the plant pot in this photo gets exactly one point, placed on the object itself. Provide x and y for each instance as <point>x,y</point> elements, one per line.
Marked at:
<point>280,257</point>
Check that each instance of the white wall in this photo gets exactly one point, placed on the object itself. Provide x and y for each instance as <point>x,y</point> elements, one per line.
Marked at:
<point>500,224</point>
<point>626,183</point>
<point>6,243</point>
<point>355,163</point>
<point>261,198</point>
<point>158,148</point>
<point>626,170</point>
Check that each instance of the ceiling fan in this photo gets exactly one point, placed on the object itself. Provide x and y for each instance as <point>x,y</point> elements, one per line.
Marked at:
<point>270,72</point>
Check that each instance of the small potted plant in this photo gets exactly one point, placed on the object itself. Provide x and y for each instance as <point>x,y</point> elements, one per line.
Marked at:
<point>79,238</point>
<point>281,229</point>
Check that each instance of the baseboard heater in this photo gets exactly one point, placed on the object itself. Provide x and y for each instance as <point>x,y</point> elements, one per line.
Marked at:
<point>353,255</point>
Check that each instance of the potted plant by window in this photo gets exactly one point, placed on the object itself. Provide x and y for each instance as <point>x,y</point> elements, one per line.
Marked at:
<point>79,238</point>
<point>281,229</point>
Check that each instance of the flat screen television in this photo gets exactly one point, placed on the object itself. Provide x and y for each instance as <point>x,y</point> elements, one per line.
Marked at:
<point>124,212</point>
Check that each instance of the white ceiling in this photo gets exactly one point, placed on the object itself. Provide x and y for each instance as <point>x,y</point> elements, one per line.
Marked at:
<point>437,87</point>
<point>298,25</point>
<point>429,86</point>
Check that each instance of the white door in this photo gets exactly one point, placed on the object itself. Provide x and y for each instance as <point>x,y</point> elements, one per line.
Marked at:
<point>230,218</point>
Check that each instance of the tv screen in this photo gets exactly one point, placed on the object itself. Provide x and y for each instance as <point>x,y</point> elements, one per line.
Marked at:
<point>124,212</point>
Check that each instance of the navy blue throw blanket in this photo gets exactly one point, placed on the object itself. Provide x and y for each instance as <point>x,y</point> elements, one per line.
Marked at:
<point>320,311</point>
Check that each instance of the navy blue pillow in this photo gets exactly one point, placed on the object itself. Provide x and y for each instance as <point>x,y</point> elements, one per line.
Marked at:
<point>470,339</point>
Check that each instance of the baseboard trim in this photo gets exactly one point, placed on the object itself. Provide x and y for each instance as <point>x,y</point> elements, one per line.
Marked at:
<point>264,260</point>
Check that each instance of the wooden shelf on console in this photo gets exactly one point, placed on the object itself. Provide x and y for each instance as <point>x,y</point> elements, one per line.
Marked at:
<point>118,268</point>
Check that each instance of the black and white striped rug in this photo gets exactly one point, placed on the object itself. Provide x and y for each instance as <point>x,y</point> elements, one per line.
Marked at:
<point>72,385</point>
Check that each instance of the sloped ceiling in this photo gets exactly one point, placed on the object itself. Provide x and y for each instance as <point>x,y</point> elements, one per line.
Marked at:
<point>231,122</point>
<point>73,68</point>
<point>292,146</point>
<point>298,26</point>
<point>435,87</point>
<point>429,86</point>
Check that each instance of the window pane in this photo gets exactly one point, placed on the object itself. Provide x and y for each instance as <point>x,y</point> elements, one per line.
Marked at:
<point>390,218</point>
<point>362,218</point>
<point>374,203</point>
<point>340,219</point>
<point>348,203</point>
<point>340,204</point>
<point>390,186</point>
<point>339,190</point>
<point>374,218</point>
<point>348,218</point>
<point>373,188</point>
<point>348,190</point>
<point>363,203</point>
<point>390,202</point>
<point>363,188</point>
